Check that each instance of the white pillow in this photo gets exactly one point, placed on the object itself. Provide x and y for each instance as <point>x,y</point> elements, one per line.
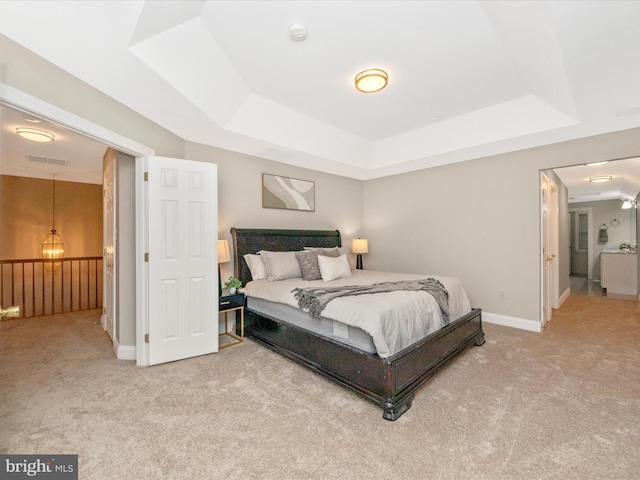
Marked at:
<point>333,268</point>
<point>256,266</point>
<point>280,265</point>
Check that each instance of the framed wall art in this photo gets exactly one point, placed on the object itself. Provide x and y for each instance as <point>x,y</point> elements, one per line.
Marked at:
<point>288,193</point>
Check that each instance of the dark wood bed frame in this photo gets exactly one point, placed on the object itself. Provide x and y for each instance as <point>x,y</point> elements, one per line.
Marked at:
<point>388,382</point>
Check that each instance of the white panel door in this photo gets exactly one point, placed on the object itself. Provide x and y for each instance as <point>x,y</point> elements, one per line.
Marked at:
<point>182,246</point>
<point>109,253</point>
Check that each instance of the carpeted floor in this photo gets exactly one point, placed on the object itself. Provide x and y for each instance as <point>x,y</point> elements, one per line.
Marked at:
<point>561,404</point>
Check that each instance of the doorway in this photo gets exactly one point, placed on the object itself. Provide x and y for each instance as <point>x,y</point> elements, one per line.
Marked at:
<point>74,126</point>
<point>580,254</point>
<point>595,219</point>
<point>550,247</point>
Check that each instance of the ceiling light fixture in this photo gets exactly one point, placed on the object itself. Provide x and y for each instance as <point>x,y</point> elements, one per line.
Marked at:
<point>372,80</point>
<point>35,135</point>
<point>600,178</point>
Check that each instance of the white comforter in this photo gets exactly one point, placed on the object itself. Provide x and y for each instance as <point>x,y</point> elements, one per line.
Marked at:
<point>394,320</point>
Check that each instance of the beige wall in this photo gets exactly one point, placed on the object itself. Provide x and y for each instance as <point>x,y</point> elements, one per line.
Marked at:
<point>477,220</point>
<point>338,199</point>
<point>26,215</point>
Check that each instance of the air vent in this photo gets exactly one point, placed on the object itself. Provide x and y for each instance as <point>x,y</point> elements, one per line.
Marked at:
<point>47,160</point>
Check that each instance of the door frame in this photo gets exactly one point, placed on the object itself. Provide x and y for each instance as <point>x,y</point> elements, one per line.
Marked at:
<point>551,284</point>
<point>109,298</point>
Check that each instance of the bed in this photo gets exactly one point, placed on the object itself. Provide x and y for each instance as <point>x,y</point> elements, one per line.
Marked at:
<point>351,358</point>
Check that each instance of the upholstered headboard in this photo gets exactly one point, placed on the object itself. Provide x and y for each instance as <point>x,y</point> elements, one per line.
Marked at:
<point>252,240</point>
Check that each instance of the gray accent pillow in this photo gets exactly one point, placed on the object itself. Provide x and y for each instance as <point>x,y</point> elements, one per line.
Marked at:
<point>308,260</point>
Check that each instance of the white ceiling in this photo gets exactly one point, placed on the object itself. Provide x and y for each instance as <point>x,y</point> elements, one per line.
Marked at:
<point>624,184</point>
<point>467,79</point>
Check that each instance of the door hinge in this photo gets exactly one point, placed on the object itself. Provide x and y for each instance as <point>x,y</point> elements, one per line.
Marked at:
<point>146,176</point>
<point>104,311</point>
<point>146,338</point>
<point>146,257</point>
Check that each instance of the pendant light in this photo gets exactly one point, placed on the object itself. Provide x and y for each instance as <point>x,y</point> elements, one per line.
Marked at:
<point>52,247</point>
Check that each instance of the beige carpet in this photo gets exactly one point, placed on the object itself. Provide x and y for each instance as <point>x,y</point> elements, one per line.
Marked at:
<point>563,404</point>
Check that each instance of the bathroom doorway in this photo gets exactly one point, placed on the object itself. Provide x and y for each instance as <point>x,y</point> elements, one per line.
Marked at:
<point>579,241</point>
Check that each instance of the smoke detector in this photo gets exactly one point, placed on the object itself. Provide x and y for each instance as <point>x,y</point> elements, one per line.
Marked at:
<point>297,32</point>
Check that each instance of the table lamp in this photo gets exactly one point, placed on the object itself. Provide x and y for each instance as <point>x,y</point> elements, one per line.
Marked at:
<point>223,257</point>
<point>359,246</point>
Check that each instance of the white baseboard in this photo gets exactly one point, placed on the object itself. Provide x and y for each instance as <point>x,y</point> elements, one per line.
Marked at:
<point>515,322</point>
<point>124,352</point>
<point>564,296</point>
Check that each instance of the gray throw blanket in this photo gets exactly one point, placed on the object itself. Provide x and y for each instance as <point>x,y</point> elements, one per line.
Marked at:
<point>314,300</point>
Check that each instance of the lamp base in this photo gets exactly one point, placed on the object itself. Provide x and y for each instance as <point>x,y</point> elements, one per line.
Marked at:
<point>359,261</point>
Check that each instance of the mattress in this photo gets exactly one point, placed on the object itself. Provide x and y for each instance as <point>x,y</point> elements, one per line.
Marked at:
<point>333,329</point>
<point>393,320</point>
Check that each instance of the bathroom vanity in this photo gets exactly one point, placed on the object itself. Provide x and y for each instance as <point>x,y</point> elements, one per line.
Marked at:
<point>619,274</point>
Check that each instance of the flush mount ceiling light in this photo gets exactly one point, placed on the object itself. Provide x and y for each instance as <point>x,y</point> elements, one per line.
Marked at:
<point>600,178</point>
<point>372,80</point>
<point>35,135</point>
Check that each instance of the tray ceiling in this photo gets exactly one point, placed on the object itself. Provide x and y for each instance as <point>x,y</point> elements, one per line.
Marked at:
<point>467,79</point>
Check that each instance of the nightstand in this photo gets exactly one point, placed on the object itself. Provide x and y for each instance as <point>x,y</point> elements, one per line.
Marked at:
<point>231,303</point>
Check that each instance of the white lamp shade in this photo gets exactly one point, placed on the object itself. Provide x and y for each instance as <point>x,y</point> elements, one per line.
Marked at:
<point>359,245</point>
<point>223,251</point>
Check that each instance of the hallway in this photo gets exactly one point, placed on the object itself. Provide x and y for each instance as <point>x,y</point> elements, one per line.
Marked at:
<point>584,286</point>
